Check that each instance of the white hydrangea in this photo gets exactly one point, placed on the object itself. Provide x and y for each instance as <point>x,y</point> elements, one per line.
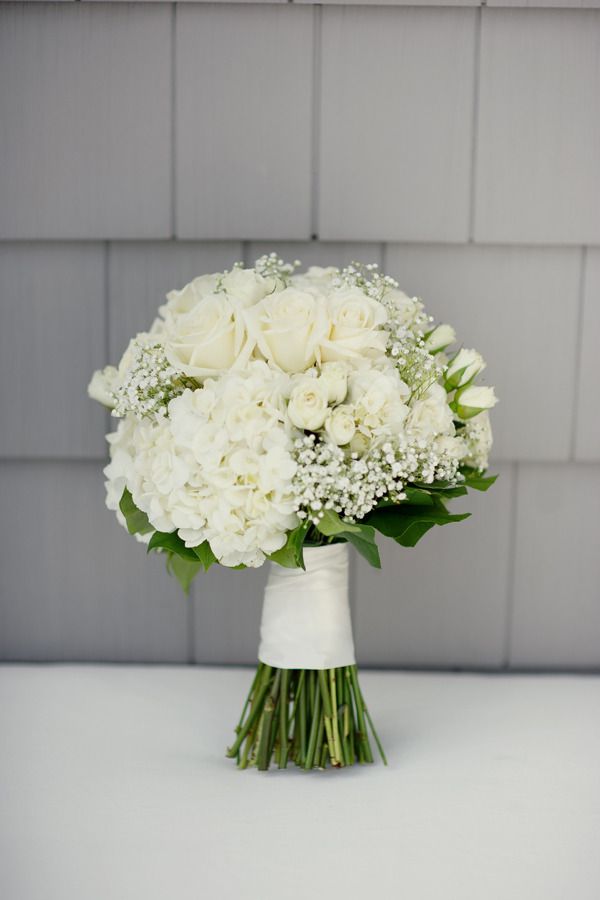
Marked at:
<point>379,400</point>
<point>219,467</point>
<point>430,415</point>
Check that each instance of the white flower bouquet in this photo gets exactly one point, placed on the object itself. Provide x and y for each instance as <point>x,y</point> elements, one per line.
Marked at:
<point>272,415</point>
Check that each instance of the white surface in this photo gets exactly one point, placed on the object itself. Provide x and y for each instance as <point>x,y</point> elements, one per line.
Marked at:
<point>113,785</point>
<point>306,614</point>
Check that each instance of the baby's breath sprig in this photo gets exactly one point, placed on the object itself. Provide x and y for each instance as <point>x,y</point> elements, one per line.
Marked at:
<point>272,266</point>
<point>327,477</point>
<point>149,384</point>
<point>406,325</point>
<point>366,277</point>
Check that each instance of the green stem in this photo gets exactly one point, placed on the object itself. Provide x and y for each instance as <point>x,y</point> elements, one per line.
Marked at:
<point>257,709</point>
<point>299,688</point>
<point>265,745</point>
<point>302,717</point>
<point>362,728</point>
<point>328,721</point>
<point>375,735</point>
<point>283,718</point>
<point>339,759</point>
<point>314,731</point>
<point>327,713</point>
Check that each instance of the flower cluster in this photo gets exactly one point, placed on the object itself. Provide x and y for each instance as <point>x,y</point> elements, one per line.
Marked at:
<point>216,467</point>
<point>263,396</point>
<point>328,478</point>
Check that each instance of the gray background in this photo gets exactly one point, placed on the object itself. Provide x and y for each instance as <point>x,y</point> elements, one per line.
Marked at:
<point>457,145</point>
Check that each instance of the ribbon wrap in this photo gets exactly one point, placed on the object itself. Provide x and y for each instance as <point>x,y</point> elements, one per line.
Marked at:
<point>306,614</point>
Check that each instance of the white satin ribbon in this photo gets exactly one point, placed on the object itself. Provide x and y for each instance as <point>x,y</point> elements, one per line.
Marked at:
<point>306,614</point>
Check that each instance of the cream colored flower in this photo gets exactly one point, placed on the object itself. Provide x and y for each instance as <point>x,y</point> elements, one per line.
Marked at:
<point>335,376</point>
<point>464,367</point>
<point>340,426</point>
<point>440,338</point>
<point>246,286</point>
<point>287,327</point>
<point>102,386</point>
<point>430,416</point>
<point>307,408</point>
<point>407,310</point>
<point>181,302</point>
<point>471,400</point>
<point>355,329</point>
<point>209,339</point>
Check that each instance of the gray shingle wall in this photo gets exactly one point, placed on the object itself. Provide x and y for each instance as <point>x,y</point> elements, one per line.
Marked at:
<point>141,144</point>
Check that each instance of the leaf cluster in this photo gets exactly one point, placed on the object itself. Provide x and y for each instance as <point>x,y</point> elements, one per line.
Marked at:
<point>405,522</point>
<point>182,562</point>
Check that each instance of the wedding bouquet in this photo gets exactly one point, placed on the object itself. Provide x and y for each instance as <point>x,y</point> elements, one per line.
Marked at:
<point>273,415</point>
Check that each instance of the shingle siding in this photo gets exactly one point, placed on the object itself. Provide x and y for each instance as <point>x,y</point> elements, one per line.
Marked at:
<point>459,147</point>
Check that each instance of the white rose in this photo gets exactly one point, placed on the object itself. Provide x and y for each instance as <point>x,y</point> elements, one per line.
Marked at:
<point>316,278</point>
<point>471,400</point>
<point>181,302</point>
<point>211,338</point>
<point>440,338</point>
<point>335,376</point>
<point>102,386</point>
<point>321,273</point>
<point>246,285</point>
<point>463,368</point>
<point>431,415</point>
<point>287,327</point>
<point>307,408</point>
<point>355,330</point>
<point>407,310</point>
<point>340,426</point>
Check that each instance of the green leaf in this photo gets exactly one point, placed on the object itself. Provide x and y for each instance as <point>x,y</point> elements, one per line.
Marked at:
<point>418,496</point>
<point>205,555</point>
<point>477,481</point>
<point>137,521</point>
<point>165,540</point>
<point>331,525</point>
<point>184,570</point>
<point>445,488</point>
<point>408,523</point>
<point>365,544</point>
<point>360,535</point>
<point>290,555</point>
<point>414,533</point>
<point>453,382</point>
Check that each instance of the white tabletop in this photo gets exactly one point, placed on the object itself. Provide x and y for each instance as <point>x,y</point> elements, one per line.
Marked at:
<point>113,784</point>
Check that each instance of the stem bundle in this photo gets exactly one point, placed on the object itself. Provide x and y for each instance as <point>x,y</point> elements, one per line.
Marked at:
<point>313,718</point>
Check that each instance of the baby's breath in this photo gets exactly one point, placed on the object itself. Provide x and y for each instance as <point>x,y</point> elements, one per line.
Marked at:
<point>149,384</point>
<point>406,325</point>
<point>327,477</point>
<point>272,266</point>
